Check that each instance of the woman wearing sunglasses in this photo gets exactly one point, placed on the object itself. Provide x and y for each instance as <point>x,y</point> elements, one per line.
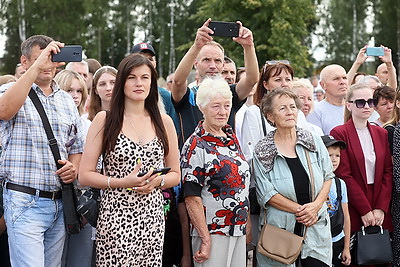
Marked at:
<point>365,164</point>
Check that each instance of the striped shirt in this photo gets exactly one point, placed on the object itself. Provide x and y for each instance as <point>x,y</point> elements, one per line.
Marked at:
<point>27,159</point>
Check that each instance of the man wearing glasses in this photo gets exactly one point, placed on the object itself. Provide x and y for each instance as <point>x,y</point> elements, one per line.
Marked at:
<point>329,112</point>
<point>207,57</point>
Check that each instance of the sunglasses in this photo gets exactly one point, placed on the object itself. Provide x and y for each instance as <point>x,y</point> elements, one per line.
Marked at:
<point>360,103</point>
<point>274,62</point>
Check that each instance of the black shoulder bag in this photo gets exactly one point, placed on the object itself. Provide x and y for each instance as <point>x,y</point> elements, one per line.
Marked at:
<point>337,220</point>
<point>72,220</point>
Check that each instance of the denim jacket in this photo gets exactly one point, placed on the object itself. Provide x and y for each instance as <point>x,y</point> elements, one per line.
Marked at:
<point>273,176</point>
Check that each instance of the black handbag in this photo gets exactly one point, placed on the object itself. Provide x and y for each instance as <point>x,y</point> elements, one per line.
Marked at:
<point>373,246</point>
<point>89,204</point>
<point>72,220</point>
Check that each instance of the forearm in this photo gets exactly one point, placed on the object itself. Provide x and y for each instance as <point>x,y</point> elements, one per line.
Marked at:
<point>13,99</point>
<point>182,72</point>
<point>347,226</point>
<point>282,203</point>
<point>392,77</point>
<point>323,194</point>
<point>245,85</point>
<point>352,72</point>
<point>194,207</point>
<point>75,159</point>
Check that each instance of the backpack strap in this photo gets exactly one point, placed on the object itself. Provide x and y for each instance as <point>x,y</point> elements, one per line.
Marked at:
<point>338,190</point>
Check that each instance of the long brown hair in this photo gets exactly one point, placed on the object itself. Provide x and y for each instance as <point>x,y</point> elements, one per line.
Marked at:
<point>95,101</point>
<point>115,117</point>
<point>268,71</point>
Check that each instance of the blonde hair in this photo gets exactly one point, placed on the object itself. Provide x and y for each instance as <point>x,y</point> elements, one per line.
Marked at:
<point>306,84</point>
<point>7,78</point>
<point>64,79</point>
<point>350,94</point>
<point>210,88</point>
<point>95,101</point>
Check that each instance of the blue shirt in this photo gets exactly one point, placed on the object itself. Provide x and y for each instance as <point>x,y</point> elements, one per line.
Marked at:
<point>27,159</point>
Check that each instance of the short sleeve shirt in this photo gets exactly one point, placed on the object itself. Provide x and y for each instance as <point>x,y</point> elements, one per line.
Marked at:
<point>217,167</point>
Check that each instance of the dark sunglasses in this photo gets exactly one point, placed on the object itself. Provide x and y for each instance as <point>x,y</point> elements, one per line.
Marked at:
<point>360,103</point>
<point>274,62</point>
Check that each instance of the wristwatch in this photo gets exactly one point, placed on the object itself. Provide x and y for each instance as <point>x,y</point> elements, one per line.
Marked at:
<point>162,181</point>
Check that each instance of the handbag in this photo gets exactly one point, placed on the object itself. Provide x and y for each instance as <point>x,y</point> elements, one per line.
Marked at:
<point>279,244</point>
<point>89,204</point>
<point>72,219</point>
<point>373,246</point>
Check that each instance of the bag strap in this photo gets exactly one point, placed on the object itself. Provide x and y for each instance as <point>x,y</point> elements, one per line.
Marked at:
<point>338,190</point>
<point>263,122</point>
<point>47,127</point>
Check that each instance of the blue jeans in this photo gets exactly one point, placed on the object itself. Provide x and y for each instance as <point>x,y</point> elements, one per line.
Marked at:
<point>35,227</point>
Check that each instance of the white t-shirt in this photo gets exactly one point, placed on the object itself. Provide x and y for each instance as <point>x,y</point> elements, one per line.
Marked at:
<point>326,116</point>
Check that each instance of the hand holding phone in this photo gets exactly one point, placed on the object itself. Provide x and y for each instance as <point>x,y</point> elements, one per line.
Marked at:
<point>224,29</point>
<point>68,53</point>
<point>375,51</point>
<point>160,170</point>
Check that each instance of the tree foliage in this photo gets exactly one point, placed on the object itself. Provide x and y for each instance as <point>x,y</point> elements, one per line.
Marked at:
<point>281,29</point>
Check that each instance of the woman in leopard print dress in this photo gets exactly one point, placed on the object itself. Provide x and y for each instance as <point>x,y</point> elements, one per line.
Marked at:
<point>134,137</point>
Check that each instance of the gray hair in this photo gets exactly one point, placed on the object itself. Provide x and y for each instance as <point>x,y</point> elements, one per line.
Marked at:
<point>36,40</point>
<point>367,78</point>
<point>210,88</point>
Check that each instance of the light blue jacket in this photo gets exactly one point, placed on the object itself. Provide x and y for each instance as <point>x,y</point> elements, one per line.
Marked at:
<point>273,176</point>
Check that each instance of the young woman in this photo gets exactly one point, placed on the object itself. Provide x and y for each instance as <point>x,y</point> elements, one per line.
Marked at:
<point>366,164</point>
<point>134,137</point>
<point>100,96</point>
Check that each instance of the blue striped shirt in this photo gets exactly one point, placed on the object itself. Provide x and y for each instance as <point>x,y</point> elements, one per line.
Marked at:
<point>27,159</point>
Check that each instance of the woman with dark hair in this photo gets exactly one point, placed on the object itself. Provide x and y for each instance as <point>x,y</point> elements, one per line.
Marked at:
<point>133,137</point>
<point>384,97</point>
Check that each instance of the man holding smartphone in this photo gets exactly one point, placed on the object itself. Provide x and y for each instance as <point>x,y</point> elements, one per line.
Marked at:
<point>207,56</point>
<point>32,189</point>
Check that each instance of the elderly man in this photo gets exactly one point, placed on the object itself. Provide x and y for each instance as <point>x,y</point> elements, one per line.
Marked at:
<point>329,112</point>
<point>208,58</point>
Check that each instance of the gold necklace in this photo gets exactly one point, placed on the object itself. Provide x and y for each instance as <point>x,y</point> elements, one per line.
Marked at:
<point>134,129</point>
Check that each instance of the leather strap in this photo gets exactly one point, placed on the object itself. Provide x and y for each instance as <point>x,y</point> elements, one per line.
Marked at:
<point>32,191</point>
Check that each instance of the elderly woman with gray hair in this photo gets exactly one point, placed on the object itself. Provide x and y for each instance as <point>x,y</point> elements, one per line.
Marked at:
<point>215,182</point>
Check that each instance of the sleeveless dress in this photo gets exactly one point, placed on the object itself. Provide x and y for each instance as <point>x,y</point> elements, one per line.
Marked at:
<point>130,227</point>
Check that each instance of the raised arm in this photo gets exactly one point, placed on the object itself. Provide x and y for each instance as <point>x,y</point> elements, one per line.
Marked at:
<point>186,64</point>
<point>361,57</point>
<point>245,85</point>
<point>13,99</point>
<point>387,59</point>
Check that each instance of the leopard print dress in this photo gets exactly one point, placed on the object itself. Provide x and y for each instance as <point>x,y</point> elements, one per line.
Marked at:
<point>130,228</point>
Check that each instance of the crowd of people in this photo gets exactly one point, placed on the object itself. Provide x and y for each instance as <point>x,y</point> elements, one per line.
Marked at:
<point>245,147</point>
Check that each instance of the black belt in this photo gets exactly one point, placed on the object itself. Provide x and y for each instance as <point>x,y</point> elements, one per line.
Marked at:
<point>32,191</point>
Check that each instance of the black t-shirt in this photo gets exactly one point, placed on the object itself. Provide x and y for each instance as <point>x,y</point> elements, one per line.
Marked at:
<point>300,180</point>
<point>190,115</point>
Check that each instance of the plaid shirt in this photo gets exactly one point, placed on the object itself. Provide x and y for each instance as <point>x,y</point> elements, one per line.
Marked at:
<point>27,159</point>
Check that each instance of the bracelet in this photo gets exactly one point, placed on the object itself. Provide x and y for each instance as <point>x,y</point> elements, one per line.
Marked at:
<point>162,181</point>
<point>108,182</point>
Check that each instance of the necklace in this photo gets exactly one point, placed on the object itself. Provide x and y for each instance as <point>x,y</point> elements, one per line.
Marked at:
<point>134,129</point>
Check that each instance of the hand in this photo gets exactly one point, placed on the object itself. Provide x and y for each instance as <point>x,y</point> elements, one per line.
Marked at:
<point>68,172</point>
<point>307,214</point>
<point>152,182</point>
<point>203,35</point>
<point>186,261</point>
<point>379,216</point>
<point>387,56</point>
<point>43,62</point>
<point>204,252</point>
<point>361,56</point>
<point>368,219</point>
<point>144,184</point>
<point>245,37</point>
<point>346,257</point>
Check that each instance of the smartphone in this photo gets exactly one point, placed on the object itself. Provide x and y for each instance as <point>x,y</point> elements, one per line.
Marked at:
<point>160,170</point>
<point>375,51</point>
<point>68,53</point>
<point>224,29</point>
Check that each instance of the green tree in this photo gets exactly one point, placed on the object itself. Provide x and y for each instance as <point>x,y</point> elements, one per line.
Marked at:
<point>281,29</point>
<point>343,25</point>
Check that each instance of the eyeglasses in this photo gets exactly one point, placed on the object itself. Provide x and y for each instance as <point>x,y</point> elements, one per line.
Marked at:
<point>360,103</point>
<point>274,62</point>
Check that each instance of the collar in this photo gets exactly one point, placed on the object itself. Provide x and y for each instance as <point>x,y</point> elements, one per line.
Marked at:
<point>266,150</point>
<point>218,140</point>
<point>53,85</point>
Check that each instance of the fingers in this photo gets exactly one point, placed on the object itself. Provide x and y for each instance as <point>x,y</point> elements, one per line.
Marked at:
<point>68,172</point>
